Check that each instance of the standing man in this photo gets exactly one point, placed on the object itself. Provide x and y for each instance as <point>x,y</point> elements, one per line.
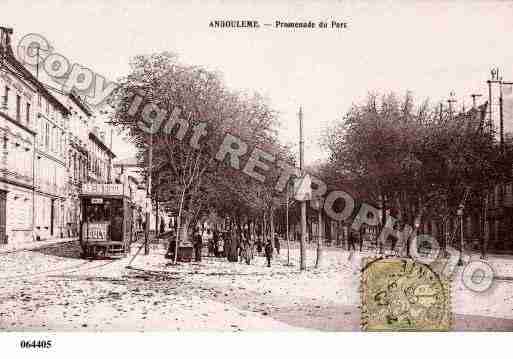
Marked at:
<point>215,242</point>
<point>259,244</point>
<point>269,252</point>
<point>139,222</point>
<point>277,244</point>
<point>351,239</point>
<point>198,243</point>
<point>162,225</point>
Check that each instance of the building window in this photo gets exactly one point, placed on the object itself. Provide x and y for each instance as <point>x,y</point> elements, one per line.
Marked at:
<point>27,113</point>
<point>18,108</point>
<point>6,96</point>
<point>47,107</point>
<point>39,100</point>
<point>42,132</point>
<point>47,135</point>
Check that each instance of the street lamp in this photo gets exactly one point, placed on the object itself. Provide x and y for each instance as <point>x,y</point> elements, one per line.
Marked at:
<point>460,215</point>
<point>451,100</point>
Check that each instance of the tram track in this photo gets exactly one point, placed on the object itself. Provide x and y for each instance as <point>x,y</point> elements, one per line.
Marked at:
<point>65,270</point>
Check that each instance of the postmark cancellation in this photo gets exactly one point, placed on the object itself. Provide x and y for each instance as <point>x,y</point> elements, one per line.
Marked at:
<point>403,295</point>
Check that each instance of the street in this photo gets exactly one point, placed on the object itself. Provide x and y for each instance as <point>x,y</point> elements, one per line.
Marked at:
<point>52,288</point>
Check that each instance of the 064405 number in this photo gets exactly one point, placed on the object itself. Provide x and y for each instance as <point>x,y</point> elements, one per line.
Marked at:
<point>36,344</point>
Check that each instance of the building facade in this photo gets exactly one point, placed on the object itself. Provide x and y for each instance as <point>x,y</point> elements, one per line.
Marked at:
<point>17,137</point>
<point>76,156</point>
<point>50,166</point>
<point>34,142</point>
<point>50,147</point>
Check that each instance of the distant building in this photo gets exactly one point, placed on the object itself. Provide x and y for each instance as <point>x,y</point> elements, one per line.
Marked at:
<point>100,157</point>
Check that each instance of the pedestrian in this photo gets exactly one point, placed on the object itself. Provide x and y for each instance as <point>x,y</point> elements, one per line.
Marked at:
<point>259,245</point>
<point>482,245</point>
<point>215,242</point>
<point>198,243</point>
<point>226,244</point>
<point>162,225</point>
<point>247,251</point>
<point>172,248</point>
<point>269,252</point>
<point>210,239</point>
<point>240,241</point>
<point>277,244</point>
<point>351,239</point>
<point>221,244</point>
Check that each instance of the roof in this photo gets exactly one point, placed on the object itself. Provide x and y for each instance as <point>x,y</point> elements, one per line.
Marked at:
<point>127,162</point>
<point>64,96</point>
<point>7,53</point>
<point>100,143</point>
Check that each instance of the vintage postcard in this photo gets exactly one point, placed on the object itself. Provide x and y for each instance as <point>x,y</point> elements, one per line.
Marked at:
<point>227,166</point>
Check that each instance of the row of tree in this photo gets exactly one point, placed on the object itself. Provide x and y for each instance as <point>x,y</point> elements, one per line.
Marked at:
<point>418,160</point>
<point>186,177</point>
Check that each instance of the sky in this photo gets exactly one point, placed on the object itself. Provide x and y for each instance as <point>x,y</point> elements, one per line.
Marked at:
<point>428,47</point>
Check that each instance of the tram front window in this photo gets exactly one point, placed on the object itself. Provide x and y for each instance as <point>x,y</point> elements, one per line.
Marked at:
<point>109,211</point>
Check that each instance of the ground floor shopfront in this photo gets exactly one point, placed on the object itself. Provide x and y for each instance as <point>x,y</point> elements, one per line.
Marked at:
<point>16,222</point>
<point>73,212</point>
<point>49,221</point>
<point>26,216</point>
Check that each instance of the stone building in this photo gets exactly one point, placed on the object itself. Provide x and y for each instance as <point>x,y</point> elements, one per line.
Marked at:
<point>17,140</point>
<point>77,138</point>
<point>100,157</point>
<point>33,142</point>
<point>50,166</point>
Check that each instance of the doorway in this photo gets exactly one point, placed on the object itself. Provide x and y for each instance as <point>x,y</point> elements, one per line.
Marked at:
<point>52,215</point>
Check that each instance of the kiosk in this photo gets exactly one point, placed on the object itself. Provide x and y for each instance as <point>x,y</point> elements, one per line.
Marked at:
<point>106,223</point>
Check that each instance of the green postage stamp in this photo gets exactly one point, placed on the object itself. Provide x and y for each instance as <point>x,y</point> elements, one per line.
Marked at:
<point>404,295</point>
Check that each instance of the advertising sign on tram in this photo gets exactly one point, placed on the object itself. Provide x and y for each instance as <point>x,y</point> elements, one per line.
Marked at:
<point>96,231</point>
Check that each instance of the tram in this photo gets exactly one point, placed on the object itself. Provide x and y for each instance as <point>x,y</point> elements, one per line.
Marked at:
<point>106,224</point>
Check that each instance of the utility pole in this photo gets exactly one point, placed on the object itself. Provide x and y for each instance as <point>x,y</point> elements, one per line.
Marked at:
<point>287,221</point>
<point>302,243</point>
<point>501,119</point>
<point>148,195</point>
<point>494,79</point>
<point>451,100</point>
<point>460,215</point>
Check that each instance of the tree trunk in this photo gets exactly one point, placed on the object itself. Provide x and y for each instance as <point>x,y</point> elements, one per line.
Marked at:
<point>320,236</point>
<point>272,228</point>
<point>264,228</point>
<point>302,244</point>
<point>327,228</point>
<point>310,229</point>
<point>179,225</point>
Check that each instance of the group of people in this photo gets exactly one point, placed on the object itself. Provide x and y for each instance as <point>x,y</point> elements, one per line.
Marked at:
<point>235,246</point>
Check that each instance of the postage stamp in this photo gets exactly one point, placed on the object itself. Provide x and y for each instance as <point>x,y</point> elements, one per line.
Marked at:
<point>403,295</point>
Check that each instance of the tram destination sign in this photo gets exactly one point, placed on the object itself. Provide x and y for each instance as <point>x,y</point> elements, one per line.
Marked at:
<point>103,189</point>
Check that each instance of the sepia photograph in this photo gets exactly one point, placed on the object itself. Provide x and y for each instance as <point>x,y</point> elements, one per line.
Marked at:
<point>254,167</point>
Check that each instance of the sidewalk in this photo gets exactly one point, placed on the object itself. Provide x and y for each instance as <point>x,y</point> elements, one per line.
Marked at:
<point>15,247</point>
